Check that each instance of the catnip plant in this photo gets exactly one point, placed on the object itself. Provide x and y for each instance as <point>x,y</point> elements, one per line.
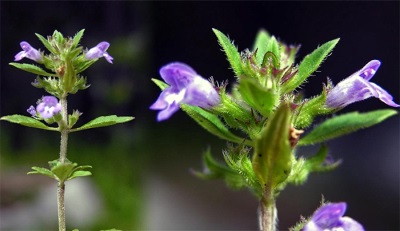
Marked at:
<point>263,117</point>
<point>65,61</point>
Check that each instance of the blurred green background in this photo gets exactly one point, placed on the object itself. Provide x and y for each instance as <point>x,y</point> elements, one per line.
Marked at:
<point>141,178</point>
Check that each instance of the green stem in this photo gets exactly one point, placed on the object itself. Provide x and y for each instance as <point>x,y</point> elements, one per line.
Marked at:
<point>63,156</point>
<point>267,212</point>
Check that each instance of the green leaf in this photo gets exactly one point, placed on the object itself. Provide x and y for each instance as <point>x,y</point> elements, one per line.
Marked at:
<point>272,157</point>
<point>43,171</point>
<point>27,121</point>
<point>32,69</point>
<point>211,123</point>
<point>76,174</point>
<point>160,84</point>
<point>258,97</point>
<point>345,124</point>
<point>46,44</point>
<point>230,51</point>
<point>214,169</point>
<point>63,171</point>
<point>260,44</point>
<point>238,160</point>
<point>309,64</point>
<point>104,121</point>
<point>77,38</point>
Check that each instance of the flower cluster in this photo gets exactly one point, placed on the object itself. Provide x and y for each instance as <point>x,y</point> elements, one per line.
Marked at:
<point>64,64</point>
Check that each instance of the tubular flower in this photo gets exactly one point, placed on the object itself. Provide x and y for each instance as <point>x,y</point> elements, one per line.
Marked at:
<point>329,217</point>
<point>357,87</point>
<point>99,51</point>
<point>29,52</point>
<point>185,86</point>
<point>48,107</point>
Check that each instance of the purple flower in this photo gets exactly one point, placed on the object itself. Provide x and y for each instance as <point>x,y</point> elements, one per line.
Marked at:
<point>357,87</point>
<point>99,51</point>
<point>29,52</point>
<point>48,107</point>
<point>329,217</point>
<point>31,110</point>
<point>185,86</point>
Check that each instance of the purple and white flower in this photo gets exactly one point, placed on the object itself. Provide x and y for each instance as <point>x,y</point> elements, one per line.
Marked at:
<point>28,52</point>
<point>330,217</point>
<point>185,86</point>
<point>31,110</point>
<point>99,51</point>
<point>48,107</point>
<point>357,87</point>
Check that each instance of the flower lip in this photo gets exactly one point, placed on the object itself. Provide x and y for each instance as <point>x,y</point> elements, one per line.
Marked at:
<point>100,50</point>
<point>185,86</point>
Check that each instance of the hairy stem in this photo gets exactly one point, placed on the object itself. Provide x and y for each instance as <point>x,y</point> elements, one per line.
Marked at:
<point>63,156</point>
<point>61,206</point>
<point>267,214</point>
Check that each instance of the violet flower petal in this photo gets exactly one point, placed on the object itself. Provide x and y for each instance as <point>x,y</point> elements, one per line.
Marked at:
<point>29,52</point>
<point>31,110</point>
<point>357,87</point>
<point>329,217</point>
<point>48,107</point>
<point>99,51</point>
<point>178,75</point>
<point>185,86</point>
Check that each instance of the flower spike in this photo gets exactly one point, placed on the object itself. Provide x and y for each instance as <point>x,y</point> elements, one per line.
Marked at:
<point>357,87</point>
<point>329,217</point>
<point>29,52</point>
<point>185,86</point>
<point>48,107</point>
<point>99,51</point>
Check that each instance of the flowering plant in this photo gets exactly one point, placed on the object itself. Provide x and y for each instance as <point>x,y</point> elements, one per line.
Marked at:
<point>65,63</point>
<point>263,118</point>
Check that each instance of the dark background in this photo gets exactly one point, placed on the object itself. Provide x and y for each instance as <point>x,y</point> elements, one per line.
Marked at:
<point>141,169</point>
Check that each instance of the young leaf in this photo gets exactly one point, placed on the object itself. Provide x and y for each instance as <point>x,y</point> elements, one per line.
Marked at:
<point>230,51</point>
<point>104,121</point>
<point>77,38</point>
<point>211,123</point>
<point>259,98</point>
<point>32,69</point>
<point>43,171</point>
<point>309,64</point>
<point>160,84</point>
<point>63,171</point>
<point>76,174</point>
<point>46,44</point>
<point>345,124</point>
<point>260,44</point>
<point>273,46</point>
<point>27,121</point>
